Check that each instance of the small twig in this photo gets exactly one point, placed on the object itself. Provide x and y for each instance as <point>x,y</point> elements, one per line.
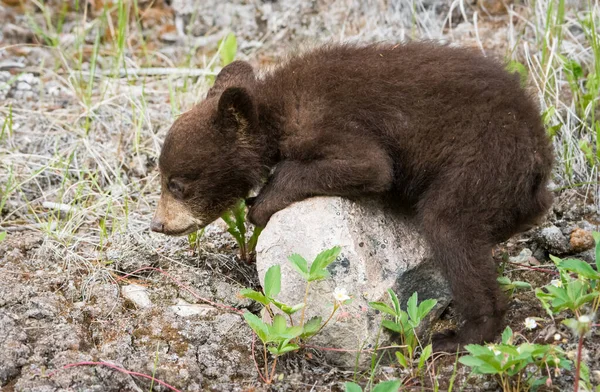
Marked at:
<point>544,270</point>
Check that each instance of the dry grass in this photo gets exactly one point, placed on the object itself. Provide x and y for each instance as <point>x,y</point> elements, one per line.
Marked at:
<point>78,148</point>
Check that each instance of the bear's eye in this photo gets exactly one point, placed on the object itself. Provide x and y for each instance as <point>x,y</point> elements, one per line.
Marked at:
<point>176,187</point>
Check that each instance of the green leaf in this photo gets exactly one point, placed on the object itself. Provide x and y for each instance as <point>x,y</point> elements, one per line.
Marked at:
<point>352,387</point>
<point>239,212</point>
<point>424,356</point>
<point>395,301</point>
<point>555,259</point>
<point>412,308</point>
<point>255,295</point>
<point>318,275</point>
<point>507,336</point>
<point>300,264</point>
<point>479,351</point>
<point>580,267</point>
<point>287,309</point>
<point>516,67</point>
<point>426,306</point>
<point>471,361</point>
<point>311,327</point>
<point>503,280</point>
<point>2,235</point>
<point>388,386</point>
<point>392,326</point>
<point>228,49</point>
<point>596,236</point>
<point>382,308</point>
<point>258,326</point>
<point>280,331</point>
<point>401,359</point>
<point>521,285</point>
<point>279,325</point>
<point>323,260</point>
<point>273,281</point>
<point>585,299</point>
<point>284,349</point>
<point>254,239</point>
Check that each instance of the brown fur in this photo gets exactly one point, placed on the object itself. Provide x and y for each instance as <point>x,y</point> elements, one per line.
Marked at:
<point>444,131</point>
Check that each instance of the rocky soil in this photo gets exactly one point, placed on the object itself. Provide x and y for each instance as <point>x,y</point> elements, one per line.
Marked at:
<point>84,281</point>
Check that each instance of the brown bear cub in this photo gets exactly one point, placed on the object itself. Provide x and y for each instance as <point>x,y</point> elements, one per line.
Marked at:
<point>443,131</point>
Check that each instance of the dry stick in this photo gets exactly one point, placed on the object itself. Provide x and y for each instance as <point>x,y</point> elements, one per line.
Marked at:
<point>547,271</point>
<point>120,369</point>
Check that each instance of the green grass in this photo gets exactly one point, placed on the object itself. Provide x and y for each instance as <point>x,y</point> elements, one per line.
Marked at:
<point>562,57</point>
<point>97,154</point>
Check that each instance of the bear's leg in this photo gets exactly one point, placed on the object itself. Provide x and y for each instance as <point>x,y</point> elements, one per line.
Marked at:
<point>350,172</point>
<point>461,244</point>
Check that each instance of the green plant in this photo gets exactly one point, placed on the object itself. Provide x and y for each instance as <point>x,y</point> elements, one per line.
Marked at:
<point>237,227</point>
<point>384,386</point>
<point>511,286</point>
<point>278,337</point>
<point>578,291</point>
<point>2,235</point>
<point>405,323</point>
<point>510,363</point>
<point>194,238</point>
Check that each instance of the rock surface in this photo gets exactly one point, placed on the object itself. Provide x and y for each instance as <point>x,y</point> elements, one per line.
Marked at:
<point>381,249</point>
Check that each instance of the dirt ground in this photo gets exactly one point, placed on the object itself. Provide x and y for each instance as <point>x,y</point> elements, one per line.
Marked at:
<point>78,185</point>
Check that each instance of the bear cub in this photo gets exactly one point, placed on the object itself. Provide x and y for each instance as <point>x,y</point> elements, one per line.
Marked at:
<point>442,131</point>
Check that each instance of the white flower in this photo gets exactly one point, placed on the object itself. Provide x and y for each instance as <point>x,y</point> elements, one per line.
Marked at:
<point>557,337</point>
<point>493,348</point>
<point>584,319</point>
<point>530,323</point>
<point>556,282</point>
<point>340,294</point>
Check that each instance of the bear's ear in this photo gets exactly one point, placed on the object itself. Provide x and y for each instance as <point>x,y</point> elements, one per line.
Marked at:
<point>237,73</point>
<point>236,111</point>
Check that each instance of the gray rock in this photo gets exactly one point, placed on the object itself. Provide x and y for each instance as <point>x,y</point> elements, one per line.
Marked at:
<point>137,294</point>
<point>522,257</point>
<point>381,249</point>
<point>553,240</point>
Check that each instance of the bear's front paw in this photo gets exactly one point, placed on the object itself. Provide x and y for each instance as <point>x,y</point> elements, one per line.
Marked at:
<point>259,214</point>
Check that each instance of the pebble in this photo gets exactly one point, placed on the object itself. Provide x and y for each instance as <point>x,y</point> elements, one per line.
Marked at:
<point>185,309</point>
<point>521,258</point>
<point>137,294</point>
<point>581,240</point>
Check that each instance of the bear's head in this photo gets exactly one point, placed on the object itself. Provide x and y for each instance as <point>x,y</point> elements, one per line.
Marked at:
<point>207,158</point>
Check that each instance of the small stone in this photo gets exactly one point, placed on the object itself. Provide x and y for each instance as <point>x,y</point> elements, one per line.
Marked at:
<point>186,309</point>
<point>521,258</point>
<point>553,240</point>
<point>137,294</point>
<point>23,86</point>
<point>596,376</point>
<point>581,240</point>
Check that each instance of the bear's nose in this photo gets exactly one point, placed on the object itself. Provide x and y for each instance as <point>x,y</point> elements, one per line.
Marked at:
<point>157,226</point>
